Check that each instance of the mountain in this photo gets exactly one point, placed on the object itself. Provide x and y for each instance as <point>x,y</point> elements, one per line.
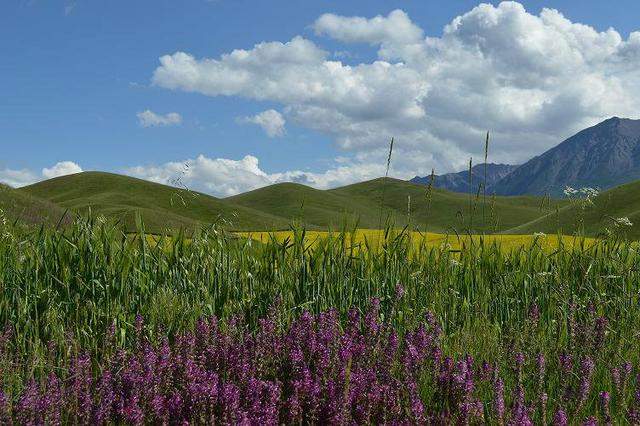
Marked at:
<point>459,182</point>
<point>161,206</point>
<point>592,219</point>
<point>605,155</point>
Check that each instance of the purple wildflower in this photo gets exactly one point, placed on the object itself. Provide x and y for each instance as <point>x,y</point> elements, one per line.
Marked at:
<point>399,291</point>
<point>498,399</point>
<point>560,418</point>
<point>605,398</point>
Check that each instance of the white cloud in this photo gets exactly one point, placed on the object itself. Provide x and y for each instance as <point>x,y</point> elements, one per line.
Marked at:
<point>61,169</point>
<point>23,177</point>
<point>17,178</point>
<point>396,29</point>
<point>271,121</point>
<point>217,176</point>
<point>225,177</point>
<point>530,79</point>
<point>149,118</point>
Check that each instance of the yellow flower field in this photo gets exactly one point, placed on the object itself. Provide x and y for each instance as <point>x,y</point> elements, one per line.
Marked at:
<point>373,238</point>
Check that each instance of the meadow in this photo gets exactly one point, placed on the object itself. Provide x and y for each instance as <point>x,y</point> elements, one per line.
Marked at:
<point>101,326</point>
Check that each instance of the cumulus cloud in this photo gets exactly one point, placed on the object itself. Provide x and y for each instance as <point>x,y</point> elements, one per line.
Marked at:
<point>149,118</point>
<point>17,178</point>
<point>226,177</point>
<point>532,79</point>
<point>271,121</point>
<point>218,176</point>
<point>396,29</point>
<point>61,169</point>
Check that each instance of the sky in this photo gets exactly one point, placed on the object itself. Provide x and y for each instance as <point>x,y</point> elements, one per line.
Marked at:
<point>226,96</point>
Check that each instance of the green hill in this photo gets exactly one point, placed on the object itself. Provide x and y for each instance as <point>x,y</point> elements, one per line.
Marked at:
<point>160,206</point>
<point>20,207</point>
<point>621,201</point>
<point>312,207</point>
<point>277,206</point>
<point>406,201</point>
<point>362,201</point>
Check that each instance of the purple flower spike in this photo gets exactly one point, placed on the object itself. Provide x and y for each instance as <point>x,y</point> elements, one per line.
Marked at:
<point>605,398</point>
<point>560,418</point>
<point>498,402</point>
<point>399,291</point>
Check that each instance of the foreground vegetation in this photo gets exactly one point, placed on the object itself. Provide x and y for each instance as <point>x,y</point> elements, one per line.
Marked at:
<point>101,326</point>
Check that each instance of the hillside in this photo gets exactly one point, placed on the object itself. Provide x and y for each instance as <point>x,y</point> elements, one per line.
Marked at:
<point>278,206</point>
<point>19,207</point>
<point>605,155</point>
<point>311,207</point>
<point>447,210</point>
<point>622,201</point>
<point>459,181</point>
<point>362,201</point>
<point>161,206</point>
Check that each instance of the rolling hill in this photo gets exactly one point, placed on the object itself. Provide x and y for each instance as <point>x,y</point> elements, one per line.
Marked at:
<point>18,206</point>
<point>621,201</point>
<point>160,206</point>
<point>362,202</point>
<point>312,207</point>
<point>447,210</point>
<point>278,206</point>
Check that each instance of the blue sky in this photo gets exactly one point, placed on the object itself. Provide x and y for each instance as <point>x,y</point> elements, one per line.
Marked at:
<point>76,78</point>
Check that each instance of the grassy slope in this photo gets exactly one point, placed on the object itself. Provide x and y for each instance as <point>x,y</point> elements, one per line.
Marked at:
<point>362,200</point>
<point>24,208</point>
<point>312,207</point>
<point>621,201</point>
<point>161,206</point>
<point>447,210</point>
<point>276,206</point>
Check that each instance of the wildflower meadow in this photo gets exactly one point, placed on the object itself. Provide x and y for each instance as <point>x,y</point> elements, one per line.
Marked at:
<point>102,327</point>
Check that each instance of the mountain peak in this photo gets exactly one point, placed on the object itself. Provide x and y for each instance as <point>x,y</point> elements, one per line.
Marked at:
<point>604,155</point>
<point>459,182</point>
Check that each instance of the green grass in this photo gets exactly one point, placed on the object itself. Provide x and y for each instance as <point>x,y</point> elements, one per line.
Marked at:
<point>622,201</point>
<point>62,290</point>
<point>161,206</point>
<point>24,208</point>
<point>67,288</point>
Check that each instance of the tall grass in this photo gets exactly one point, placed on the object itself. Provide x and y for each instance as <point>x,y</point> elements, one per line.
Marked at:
<point>384,183</point>
<point>66,292</point>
